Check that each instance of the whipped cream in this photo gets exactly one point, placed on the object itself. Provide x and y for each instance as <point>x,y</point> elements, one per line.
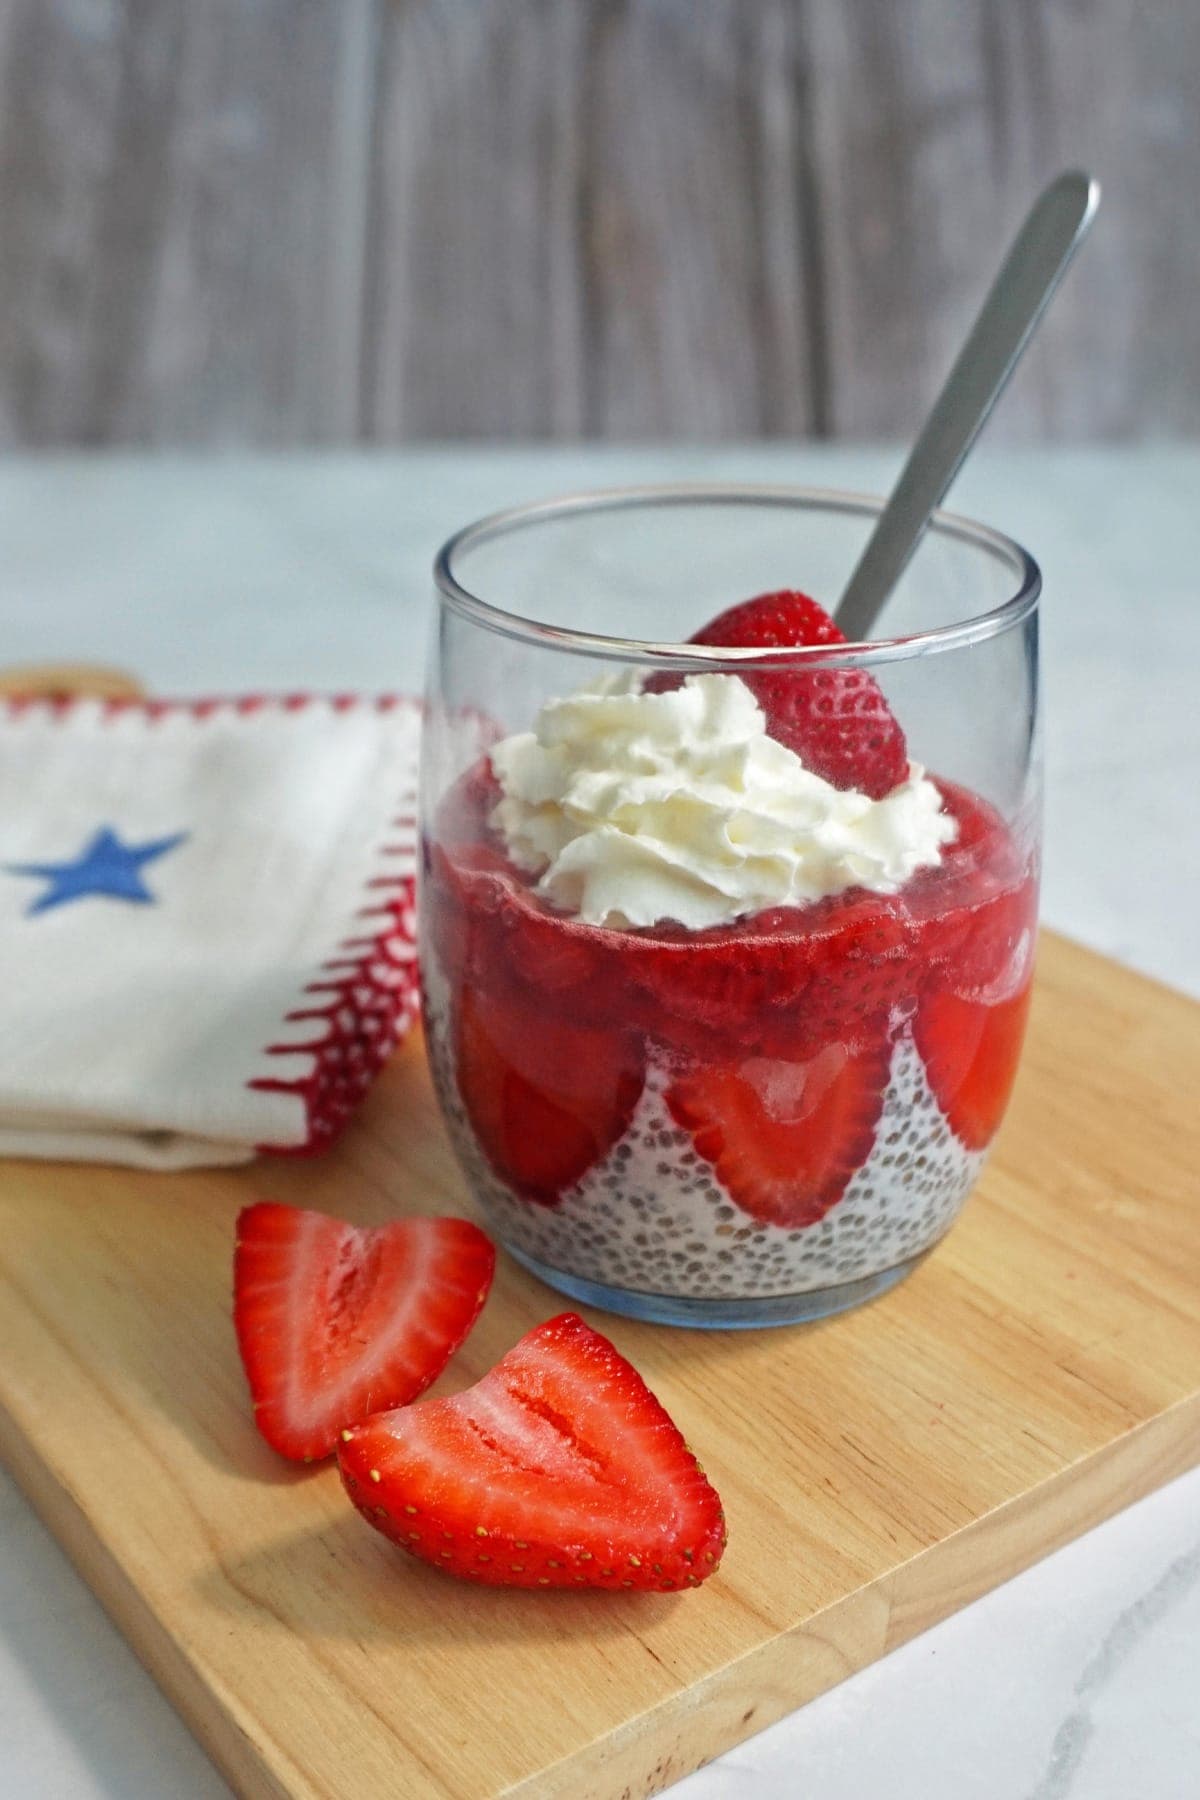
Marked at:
<point>636,807</point>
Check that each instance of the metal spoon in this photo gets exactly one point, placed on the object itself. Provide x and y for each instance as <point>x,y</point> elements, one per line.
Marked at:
<point>1045,244</point>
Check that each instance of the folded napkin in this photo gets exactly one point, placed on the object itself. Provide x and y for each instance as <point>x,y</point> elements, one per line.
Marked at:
<point>206,922</point>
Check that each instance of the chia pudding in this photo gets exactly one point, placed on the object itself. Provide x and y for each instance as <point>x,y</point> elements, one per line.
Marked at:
<point>659,1085</point>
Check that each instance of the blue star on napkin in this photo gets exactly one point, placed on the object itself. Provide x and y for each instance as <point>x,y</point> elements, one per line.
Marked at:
<point>106,866</point>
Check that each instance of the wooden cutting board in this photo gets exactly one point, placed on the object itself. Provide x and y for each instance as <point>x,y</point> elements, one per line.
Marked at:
<point>879,1470</point>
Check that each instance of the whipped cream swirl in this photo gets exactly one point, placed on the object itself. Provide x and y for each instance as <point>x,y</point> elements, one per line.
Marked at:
<point>636,807</point>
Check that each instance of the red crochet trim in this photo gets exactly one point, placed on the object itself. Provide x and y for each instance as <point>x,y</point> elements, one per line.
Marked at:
<point>207,706</point>
<point>371,984</point>
<point>374,996</point>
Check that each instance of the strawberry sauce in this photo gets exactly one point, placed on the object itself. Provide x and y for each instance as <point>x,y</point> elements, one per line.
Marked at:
<point>786,1104</point>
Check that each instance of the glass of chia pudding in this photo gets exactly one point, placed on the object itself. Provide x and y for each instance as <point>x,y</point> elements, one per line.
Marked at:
<point>727,925</point>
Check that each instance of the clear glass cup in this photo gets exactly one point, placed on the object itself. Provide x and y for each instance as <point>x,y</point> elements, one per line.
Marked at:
<point>766,1121</point>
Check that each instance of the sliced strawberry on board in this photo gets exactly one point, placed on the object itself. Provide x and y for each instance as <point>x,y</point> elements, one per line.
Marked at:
<point>558,1469</point>
<point>785,1137</point>
<point>970,1048</point>
<point>836,720</point>
<point>335,1321</point>
<point>547,1097</point>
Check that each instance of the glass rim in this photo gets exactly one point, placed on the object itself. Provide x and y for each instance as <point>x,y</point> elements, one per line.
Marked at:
<point>959,635</point>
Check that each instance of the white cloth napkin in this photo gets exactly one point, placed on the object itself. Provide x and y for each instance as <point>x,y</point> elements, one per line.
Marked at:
<point>206,922</point>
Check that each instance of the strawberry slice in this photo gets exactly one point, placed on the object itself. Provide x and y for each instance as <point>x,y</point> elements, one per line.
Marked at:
<point>970,1048</point>
<point>836,720</point>
<point>558,1469</point>
<point>547,1097</point>
<point>785,1137</point>
<point>334,1321</point>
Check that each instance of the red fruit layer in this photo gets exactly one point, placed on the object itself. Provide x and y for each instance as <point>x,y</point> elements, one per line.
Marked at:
<point>559,1469</point>
<point>804,974</point>
<point>555,1020</point>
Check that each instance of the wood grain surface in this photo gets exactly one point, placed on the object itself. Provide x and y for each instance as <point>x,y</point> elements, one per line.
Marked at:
<point>55,679</point>
<point>1037,1372</point>
<point>289,221</point>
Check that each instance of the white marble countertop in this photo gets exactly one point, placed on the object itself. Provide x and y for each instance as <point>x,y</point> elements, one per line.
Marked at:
<point>1077,1679</point>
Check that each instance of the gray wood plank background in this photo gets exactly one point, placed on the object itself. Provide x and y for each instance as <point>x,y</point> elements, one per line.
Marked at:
<point>313,221</point>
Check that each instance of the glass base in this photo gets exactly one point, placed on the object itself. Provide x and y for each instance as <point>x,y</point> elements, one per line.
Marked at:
<point>719,1314</point>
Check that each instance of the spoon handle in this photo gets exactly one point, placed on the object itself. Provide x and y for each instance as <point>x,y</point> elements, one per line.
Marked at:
<point>1045,244</point>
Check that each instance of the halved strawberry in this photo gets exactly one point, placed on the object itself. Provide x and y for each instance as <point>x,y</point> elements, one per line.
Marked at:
<point>547,1097</point>
<point>785,1137</point>
<point>558,1469</point>
<point>836,720</point>
<point>335,1321</point>
<point>970,1048</point>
